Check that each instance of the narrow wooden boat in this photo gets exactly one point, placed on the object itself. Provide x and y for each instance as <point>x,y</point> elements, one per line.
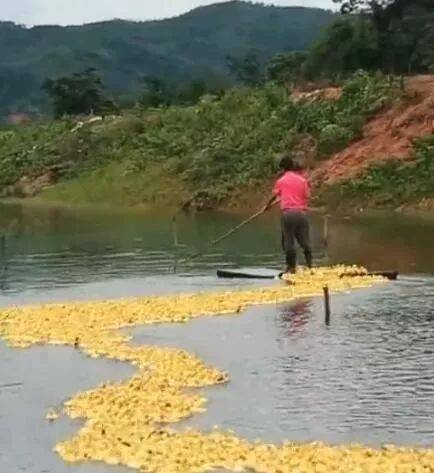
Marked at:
<point>235,275</point>
<point>225,274</point>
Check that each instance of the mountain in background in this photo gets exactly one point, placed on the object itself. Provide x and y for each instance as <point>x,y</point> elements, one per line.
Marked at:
<point>191,46</point>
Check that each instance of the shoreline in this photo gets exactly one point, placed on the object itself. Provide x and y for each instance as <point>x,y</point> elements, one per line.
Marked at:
<point>411,210</point>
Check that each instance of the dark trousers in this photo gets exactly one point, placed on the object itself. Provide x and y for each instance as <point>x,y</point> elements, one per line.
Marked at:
<point>295,226</point>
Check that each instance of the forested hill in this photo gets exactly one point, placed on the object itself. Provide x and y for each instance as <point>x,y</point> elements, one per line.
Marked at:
<point>192,46</point>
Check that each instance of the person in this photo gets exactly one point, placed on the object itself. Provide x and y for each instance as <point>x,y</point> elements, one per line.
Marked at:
<point>293,192</point>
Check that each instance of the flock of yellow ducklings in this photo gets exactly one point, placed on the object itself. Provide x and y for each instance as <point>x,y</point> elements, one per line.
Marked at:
<point>128,423</point>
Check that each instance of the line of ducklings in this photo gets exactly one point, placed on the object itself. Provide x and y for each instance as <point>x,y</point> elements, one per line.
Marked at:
<point>128,423</point>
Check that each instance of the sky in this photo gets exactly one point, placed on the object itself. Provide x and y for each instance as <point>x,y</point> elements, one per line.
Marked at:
<point>66,12</point>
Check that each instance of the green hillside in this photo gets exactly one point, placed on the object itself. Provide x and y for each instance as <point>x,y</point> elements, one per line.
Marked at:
<point>192,46</point>
<point>210,153</point>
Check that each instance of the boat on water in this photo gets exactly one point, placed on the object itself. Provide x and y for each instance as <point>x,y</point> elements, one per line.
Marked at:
<point>229,274</point>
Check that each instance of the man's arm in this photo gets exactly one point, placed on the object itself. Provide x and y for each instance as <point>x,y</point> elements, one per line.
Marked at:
<point>273,200</point>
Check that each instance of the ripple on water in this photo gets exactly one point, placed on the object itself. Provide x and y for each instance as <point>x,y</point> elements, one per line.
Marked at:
<point>368,378</point>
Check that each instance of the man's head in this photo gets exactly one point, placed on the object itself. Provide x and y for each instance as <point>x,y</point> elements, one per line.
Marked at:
<point>287,163</point>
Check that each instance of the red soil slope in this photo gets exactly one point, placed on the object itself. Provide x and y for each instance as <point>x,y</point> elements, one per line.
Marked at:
<point>387,136</point>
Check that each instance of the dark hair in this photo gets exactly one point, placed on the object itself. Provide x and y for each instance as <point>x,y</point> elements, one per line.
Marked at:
<point>287,164</point>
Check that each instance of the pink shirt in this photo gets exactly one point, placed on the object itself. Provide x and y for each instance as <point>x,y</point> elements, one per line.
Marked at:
<point>293,190</point>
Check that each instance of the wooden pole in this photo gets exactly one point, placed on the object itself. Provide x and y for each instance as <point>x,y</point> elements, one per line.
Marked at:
<point>3,251</point>
<point>175,232</point>
<point>327,305</point>
<point>11,385</point>
<point>223,237</point>
<point>326,231</point>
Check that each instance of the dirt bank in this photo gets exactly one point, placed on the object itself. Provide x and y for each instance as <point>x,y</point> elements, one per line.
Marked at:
<point>388,136</point>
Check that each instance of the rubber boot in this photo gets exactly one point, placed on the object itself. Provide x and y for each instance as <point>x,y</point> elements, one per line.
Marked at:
<point>291,262</point>
<point>309,258</point>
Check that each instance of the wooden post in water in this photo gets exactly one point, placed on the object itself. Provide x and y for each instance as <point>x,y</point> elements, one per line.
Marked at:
<point>327,305</point>
<point>3,251</point>
<point>175,232</point>
<point>326,230</point>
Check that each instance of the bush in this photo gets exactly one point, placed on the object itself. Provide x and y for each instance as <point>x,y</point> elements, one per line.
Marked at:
<point>6,136</point>
<point>334,138</point>
<point>213,146</point>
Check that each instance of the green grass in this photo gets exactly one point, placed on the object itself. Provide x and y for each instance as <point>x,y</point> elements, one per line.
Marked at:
<point>116,184</point>
<point>215,148</point>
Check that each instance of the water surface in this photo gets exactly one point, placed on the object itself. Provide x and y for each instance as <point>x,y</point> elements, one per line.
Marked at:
<point>53,247</point>
<point>369,377</point>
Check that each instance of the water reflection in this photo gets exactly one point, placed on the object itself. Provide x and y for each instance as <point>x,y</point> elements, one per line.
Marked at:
<point>367,378</point>
<point>294,317</point>
<point>58,247</point>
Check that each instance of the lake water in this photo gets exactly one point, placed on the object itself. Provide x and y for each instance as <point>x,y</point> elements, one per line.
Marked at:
<point>50,248</point>
<point>369,377</point>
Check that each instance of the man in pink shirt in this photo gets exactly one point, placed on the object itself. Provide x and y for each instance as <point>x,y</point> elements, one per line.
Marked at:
<point>292,190</point>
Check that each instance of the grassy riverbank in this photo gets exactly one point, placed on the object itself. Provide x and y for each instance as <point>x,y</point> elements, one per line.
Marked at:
<point>115,184</point>
<point>221,152</point>
<point>209,151</point>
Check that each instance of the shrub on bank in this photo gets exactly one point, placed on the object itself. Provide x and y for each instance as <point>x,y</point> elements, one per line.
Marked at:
<point>214,146</point>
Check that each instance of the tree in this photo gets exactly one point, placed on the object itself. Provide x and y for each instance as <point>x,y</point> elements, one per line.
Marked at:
<point>384,12</point>
<point>427,51</point>
<point>402,26</point>
<point>357,6</point>
<point>156,94</point>
<point>412,40</point>
<point>246,69</point>
<point>192,92</point>
<point>349,44</point>
<point>80,93</point>
<point>285,68</point>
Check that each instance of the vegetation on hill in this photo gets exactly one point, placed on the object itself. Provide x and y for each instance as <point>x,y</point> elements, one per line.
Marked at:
<point>392,36</point>
<point>395,36</point>
<point>390,135</point>
<point>82,93</point>
<point>200,143</point>
<point>214,148</point>
<point>193,46</point>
